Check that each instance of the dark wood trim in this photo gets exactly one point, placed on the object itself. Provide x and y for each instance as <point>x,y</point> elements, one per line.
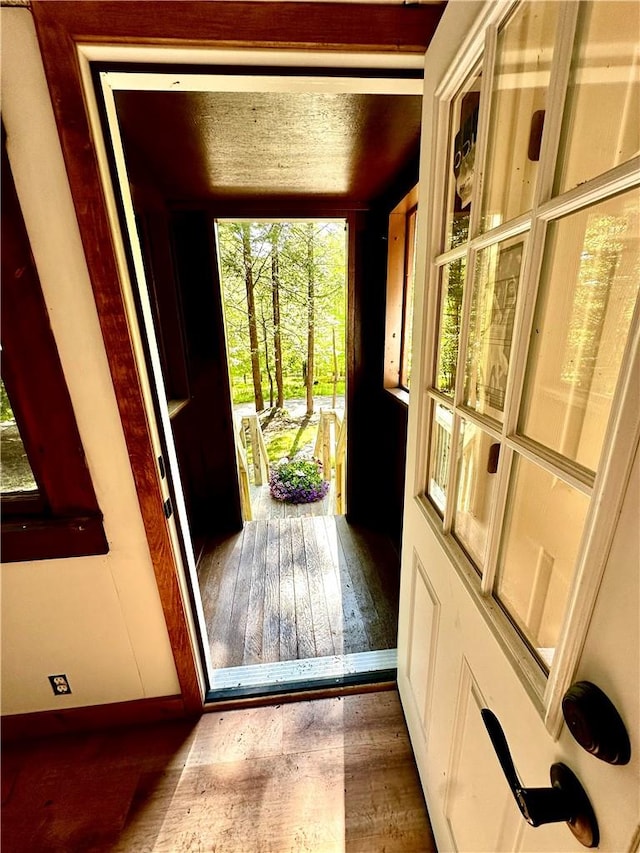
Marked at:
<point>61,519</point>
<point>26,504</point>
<point>50,538</point>
<point>273,209</point>
<point>32,371</point>
<point>41,724</point>
<point>57,36</point>
<point>299,696</point>
<point>396,28</point>
<point>353,346</point>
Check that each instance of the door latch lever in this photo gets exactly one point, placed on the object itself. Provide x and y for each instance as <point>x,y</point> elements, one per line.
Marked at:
<point>566,799</point>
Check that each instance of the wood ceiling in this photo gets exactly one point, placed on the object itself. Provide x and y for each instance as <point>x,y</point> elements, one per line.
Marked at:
<point>239,148</point>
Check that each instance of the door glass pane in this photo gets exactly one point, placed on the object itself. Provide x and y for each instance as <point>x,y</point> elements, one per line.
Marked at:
<point>493,306</point>
<point>16,474</point>
<point>602,116</point>
<point>450,314</point>
<point>464,127</point>
<point>441,431</point>
<point>591,276</point>
<point>477,467</point>
<point>539,549</point>
<point>518,103</point>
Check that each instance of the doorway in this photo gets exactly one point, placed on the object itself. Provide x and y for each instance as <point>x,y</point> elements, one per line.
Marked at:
<point>177,342</point>
<point>284,298</point>
<point>298,586</point>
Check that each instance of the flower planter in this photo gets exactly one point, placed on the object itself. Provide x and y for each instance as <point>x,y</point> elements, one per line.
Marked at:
<point>298,481</point>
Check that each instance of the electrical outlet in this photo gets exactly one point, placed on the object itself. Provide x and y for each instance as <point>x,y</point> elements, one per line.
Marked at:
<point>60,684</point>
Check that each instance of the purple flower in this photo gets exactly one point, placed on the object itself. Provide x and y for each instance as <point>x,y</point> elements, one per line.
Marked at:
<point>298,481</point>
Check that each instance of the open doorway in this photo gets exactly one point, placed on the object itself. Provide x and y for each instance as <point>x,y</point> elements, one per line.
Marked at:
<point>175,188</point>
<point>284,295</point>
<point>298,591</point>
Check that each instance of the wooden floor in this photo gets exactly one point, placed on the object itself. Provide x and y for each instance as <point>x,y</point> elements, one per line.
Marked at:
<point>297,588</point>
<point>334,775</point>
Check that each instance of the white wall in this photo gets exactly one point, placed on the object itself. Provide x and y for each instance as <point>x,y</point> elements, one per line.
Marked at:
<point>97,619</point>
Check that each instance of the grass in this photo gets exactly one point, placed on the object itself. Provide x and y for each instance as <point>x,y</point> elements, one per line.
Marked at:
<point>285,442</point>
<point>289,441</point>
<point>243,391</point>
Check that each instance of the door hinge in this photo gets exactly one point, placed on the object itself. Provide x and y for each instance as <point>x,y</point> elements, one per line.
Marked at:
<point>163,473</point>
<point>168,508</point>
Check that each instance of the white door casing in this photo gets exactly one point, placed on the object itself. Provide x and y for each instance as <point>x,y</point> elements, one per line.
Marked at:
<point>457,651</point>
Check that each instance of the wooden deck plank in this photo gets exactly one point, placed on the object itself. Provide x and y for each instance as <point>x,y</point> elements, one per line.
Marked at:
<point>373,558</point>
<point>295,588</point>
<point>320,616</point>
<point>328,560</point>
<point>304,618</point>
<point>352,569</point>
<point>263,506</point>
<point>240,605</point>
<point>288,633</point>
<point>354,633</point>
<point>255,610</point>
<point>218,612</point>
<point>213,571</point>
<point>379,552</point>
<point>271,617</point>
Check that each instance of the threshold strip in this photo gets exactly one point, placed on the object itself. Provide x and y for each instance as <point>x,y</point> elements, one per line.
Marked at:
<point>292,675</point>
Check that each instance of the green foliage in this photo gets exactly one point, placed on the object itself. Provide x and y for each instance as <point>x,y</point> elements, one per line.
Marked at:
<point>298,481</point>
<point>328,270</point>
<point>602,281</point>
<point>451,316</point>
<point>6,412</point>
<point>451,295</point>
<point>293,389</point>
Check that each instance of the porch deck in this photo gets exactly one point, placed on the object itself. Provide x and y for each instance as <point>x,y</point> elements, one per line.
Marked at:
<point>297,588</point>
<point>263,506</point>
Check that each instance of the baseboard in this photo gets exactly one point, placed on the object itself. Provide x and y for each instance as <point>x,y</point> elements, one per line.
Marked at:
<point>91,718</point>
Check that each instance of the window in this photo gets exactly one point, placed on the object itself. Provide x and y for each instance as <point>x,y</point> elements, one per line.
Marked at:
<point>49,508</point>
<point>16,474</point>
<point>400,286</point>
<point>535,297</point>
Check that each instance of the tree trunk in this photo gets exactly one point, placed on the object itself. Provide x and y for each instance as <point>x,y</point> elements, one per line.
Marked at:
<point>335,365</point>
<point>266,356</point>
<point>310,316</point>
<point>275,292</point>
<point>251,314</point>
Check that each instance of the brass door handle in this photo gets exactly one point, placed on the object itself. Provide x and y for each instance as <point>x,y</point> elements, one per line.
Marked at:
<point>566,799</point>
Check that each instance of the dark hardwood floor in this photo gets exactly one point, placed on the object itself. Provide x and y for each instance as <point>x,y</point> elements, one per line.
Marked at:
<point>324,776</point>
<point>297,588</point>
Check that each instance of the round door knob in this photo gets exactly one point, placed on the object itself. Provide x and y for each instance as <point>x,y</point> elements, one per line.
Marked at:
<point>595,723</point>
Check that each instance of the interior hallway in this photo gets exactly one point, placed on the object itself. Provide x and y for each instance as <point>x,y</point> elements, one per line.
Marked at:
<point>334,775</point>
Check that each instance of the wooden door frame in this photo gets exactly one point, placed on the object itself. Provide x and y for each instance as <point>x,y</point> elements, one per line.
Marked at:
<point>62,27</point>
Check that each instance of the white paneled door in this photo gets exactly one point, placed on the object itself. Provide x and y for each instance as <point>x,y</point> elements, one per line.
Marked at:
<point>520,575</point>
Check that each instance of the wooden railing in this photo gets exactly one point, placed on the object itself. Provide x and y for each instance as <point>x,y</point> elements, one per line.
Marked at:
<point>250,426</point>
<point>259,455</point>
<point>330,447</point>
<point>243,471</point>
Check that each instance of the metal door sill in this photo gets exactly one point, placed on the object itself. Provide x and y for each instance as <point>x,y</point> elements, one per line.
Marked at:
<point>266,679</point>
